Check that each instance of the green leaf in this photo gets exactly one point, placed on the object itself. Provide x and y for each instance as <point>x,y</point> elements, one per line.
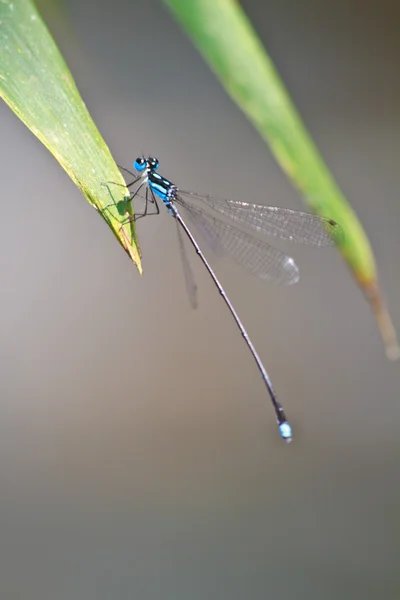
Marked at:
<point>228,42</point>
<point>38,86</point>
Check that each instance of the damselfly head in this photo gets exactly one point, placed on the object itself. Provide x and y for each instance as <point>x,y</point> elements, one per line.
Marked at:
<point>143,163</point>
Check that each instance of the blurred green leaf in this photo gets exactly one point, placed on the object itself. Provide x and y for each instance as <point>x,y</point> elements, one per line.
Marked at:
<point>38,86</point>
<point>228,42</point>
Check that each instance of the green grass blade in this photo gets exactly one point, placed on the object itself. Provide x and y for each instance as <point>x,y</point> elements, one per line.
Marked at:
<point>228,42</point>
<point>38,86</point>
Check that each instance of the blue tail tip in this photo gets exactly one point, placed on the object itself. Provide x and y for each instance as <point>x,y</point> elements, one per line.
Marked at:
<point>286,431</point>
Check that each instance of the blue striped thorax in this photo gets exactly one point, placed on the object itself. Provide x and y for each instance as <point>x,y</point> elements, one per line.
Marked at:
<point>163,188</point>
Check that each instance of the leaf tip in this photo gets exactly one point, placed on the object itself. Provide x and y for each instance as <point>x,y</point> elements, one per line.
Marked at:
<point>393,352</point>
<point>384,320</point>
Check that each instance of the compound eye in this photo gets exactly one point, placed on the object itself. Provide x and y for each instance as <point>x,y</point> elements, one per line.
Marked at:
<point>139,164</point>
<point>153,162</point>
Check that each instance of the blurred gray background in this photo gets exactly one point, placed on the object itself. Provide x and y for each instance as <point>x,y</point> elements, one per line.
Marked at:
<point>139,456</point>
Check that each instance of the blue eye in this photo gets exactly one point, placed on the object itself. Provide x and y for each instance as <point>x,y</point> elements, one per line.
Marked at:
<point>153,162</point>
<point>139,164</point>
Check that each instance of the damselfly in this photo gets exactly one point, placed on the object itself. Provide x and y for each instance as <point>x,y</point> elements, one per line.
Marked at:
<point>257,256</point>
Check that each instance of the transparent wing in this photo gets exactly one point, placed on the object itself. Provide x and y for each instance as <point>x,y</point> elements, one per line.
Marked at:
<point>205,226</point>
<point>190,283</point>
<point>284,223</point>
<point>258,257</point>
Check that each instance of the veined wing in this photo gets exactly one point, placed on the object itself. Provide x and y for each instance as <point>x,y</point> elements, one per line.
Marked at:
<point>284,223</point>
<point>190,282</point>
<point>258,257</point>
